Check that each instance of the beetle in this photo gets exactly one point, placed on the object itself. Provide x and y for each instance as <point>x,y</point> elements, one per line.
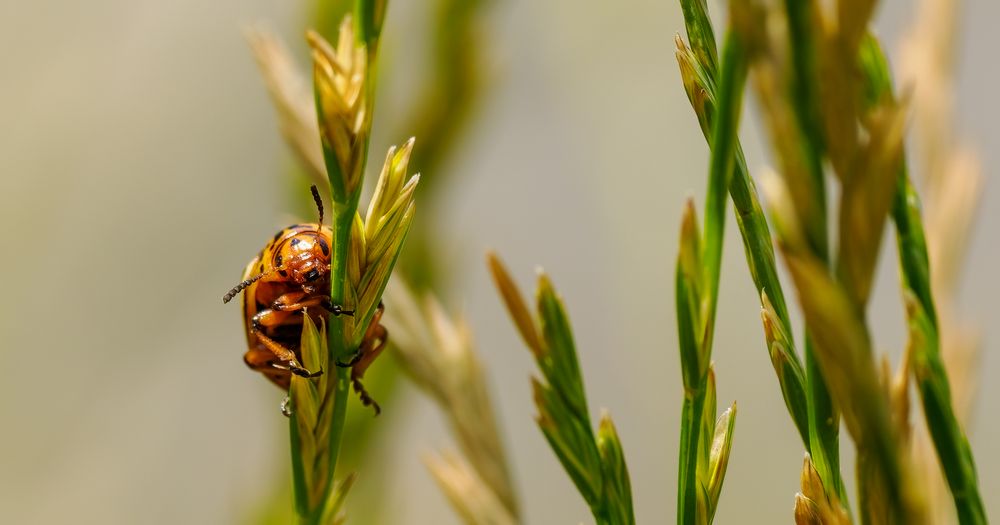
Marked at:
<point>288,279</point>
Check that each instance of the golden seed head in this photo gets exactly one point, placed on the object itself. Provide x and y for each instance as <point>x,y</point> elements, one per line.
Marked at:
<point>341,82</point>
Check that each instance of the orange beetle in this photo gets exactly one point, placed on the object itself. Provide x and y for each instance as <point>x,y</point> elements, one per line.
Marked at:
<point>289,278</point>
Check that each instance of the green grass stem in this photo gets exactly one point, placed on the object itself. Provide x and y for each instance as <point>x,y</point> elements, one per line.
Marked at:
<point>698,273</point>
<point>950,442</point>
<point>750,218</point>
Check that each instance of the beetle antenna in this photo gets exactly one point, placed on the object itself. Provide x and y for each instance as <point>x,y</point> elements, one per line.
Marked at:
<point>244,284</point>
<point>319,203</point>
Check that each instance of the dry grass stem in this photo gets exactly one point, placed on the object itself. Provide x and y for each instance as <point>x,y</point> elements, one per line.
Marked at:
<point>292,97</point>
<point>437,352</point>
<point>475,502</point>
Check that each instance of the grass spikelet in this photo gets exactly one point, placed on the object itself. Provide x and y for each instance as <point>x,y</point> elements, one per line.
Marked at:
<point>595,463</point>
<point>438,353</point>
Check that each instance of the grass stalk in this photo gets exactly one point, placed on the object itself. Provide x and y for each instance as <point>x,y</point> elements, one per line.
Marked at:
<point>824,418</point>
<point>729,103</point>
<point>594,461</point>
<point>346,192</point>
<point>697,283</point>
<point>952,446</point>
<point>362,257</point>
<point>823,122</point>
<point>699,72</point>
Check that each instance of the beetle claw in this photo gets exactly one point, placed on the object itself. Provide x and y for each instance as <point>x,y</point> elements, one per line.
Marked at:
<point>336,309</point>
<point>351,362</point>
<point>302,372</point>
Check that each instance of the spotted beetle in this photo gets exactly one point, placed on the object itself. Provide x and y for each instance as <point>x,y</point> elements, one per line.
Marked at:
<point>288,279</point>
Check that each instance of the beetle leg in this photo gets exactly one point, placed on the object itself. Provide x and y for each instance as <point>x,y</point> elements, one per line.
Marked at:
<point>353,360</point>
<point>268,317</point>
<point>289,302</point>
<point>370,349</point>
<point>369,334</point>
<point>296,369</point>
<point>262,360</point>
<point>293,301</point>
<point>336,309</point>
<point>283,354</point>
<point>366,399</point>
<point>375,340</point>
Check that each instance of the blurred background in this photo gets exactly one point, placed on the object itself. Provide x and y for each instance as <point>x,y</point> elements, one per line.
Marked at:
<point>141,167</point>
